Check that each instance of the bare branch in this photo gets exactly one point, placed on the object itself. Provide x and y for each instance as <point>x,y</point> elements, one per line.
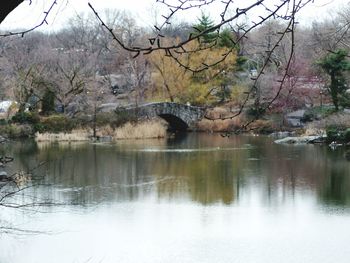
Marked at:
<point>7,7</point>
<point>43,21</point>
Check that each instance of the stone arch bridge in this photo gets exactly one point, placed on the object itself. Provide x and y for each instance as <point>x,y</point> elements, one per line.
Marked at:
<point>180,117</point>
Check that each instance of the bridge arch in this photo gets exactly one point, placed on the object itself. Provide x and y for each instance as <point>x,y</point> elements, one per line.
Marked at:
<point>180,117</point>
<point>175,123</point>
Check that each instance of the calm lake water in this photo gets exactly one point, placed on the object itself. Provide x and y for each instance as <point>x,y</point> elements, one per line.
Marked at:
<point>196,198</point>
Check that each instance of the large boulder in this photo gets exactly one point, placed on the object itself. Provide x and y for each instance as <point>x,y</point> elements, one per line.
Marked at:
<point>294,119</point>
<point>301,140</point>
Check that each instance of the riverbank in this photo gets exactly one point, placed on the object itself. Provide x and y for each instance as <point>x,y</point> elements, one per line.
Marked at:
<point>104,126</point>
<point>140,130</point>
<point>333,127</point>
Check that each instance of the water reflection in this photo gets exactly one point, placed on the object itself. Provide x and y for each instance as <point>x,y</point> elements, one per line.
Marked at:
<point>206,169</point>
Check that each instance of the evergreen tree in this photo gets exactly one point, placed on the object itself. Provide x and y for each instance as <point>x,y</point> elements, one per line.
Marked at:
<point>48,102</point>
<point>205,23</point>
<point>226,39</point>
<point>334,64</point>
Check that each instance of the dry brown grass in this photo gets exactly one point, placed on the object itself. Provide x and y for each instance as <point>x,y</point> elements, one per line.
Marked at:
<point>142,130</point>
<point>103,131</point>
<point>313,131</point>
<point>74,136</point>
<point>263,126</point>
<point>219,125</point>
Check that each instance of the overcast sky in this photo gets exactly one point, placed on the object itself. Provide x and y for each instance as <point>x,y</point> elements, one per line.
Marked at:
<point>26,16</point>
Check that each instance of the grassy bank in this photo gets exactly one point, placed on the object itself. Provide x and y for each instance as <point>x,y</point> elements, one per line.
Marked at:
<point>130,130</point>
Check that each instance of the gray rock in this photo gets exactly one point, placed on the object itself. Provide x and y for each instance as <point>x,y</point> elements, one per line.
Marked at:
<point>281,134</point>
<point>108,107</point>
<point>294,118</point>
<point>3,176</point>
<point>296,114</point>
<point>299,140</point>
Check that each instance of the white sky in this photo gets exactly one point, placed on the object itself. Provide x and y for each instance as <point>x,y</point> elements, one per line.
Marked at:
<point>26,16</point>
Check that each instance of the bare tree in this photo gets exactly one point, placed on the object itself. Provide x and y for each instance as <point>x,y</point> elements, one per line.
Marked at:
<point>24,65</point>
<point>135,70</point>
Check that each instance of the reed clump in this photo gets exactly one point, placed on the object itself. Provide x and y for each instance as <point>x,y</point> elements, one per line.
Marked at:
<point>141,130</point>
<point>76,135</point>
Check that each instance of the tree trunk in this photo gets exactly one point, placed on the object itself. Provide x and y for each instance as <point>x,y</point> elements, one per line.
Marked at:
<point>334,91</point>
<point>169,92</point>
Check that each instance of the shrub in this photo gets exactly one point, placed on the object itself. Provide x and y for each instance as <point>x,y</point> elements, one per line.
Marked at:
<point>48,102</point>
<point>340,120</point>
<point>55,124</point>
<point>25,118</point>
<point>346,135</point>
<point>263,126</point>
<point>3,122</point>
<point>334,133</point>
<point>318,112</point>
<point>256,112</point>
<point>309,116</point>
<point>16,131</point>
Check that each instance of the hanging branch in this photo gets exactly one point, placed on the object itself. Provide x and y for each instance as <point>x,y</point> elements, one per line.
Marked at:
<point>291,30</point>
<point>8,6</point>
<point>43,21</point>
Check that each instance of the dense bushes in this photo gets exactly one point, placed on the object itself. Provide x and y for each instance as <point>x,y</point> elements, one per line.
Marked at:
<point>256,111</point>
<point>55,123</point>
<point>317,113</point>
<point>25,118</point>
<point>16,131</point>
<point>338,134</point>
<point>26,124</point>
<point>62,123</point>
<point>333,134</point>
<point>346,135</point>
